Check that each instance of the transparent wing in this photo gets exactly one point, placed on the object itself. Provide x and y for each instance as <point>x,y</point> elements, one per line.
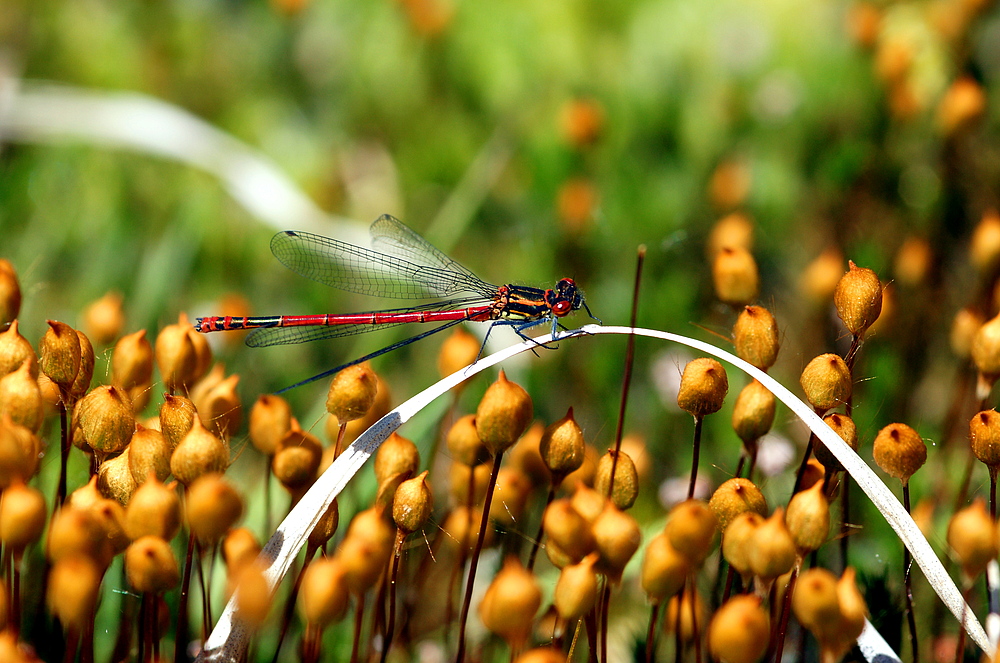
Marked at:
<point>411,268</point>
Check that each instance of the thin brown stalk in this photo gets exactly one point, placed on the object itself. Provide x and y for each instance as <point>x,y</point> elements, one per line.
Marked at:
<point>695,453</point>
<point>654,617</point>
<point>474,562</point>
<point>180,648</point>
<point>393,575</point>
<point>781,629</point>
<point>908,584</point>
<point>537,541</point>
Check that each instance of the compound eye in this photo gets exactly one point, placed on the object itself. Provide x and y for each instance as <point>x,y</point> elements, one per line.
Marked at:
<point>561,308</point>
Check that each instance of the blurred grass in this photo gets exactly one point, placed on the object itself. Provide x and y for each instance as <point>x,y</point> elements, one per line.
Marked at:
<point>384,106</point>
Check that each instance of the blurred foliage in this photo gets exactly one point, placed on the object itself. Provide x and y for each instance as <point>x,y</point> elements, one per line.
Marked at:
<point>830,124</point>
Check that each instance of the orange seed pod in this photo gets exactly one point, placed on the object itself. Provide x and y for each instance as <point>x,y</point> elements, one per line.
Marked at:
<point>154,510</point>
<point>14,350</point>
<point>703,387</point>
<point>352,393</point>
<point>733,497</point>
<point>212,507</point>
<point>808,518</point>
<point>691,528</point>
<point>755,336</point>
<point>899,451</point>
<point>150,565</point>
<point>734,274</point>
<point>826,381</point>
<point>503,414</point>
<point>73,586</point>
<point>464,443</point>
<point>753,413</point>
<point>562,447</point>
<point>10,293</point>
<point>104,318</point>
<point>323,598</point>
<point>59,353</point>
<point>576,590</point>
<point>739,630</point>
<point>412,504</point>
<point>858,298</point>
<point>106,419</point>
<point>772,551</point>
<point>972,537</point>
<point>509,605</point>
<point>626,485</point>
<point>270,419</point>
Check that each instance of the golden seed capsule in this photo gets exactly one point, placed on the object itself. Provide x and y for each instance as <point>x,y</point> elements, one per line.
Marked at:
<point>568,530</point>
<point>199,452</point>
<point>755,336</point>
<point>618,538</point>
<point>114,477</point>
<point>148,452</point>
<point>664,570</point>
<point>382,405</point>
<point>526,456</point>
<point>562,447</point>
<point>815,603</point>
<point>586,473</point>
<point>463,442</point>
<point>323,598</point>
<point>899,451</point>
<point>19,452</point>
<point>734,274</point>
<point>703,387</point>
<point>820,278</point>
<point>984,436</point>
<point>397,456</point>
<point>253,595</point>
<point>826,381</point>
<point>366,550</point>
<point>739,631</point>
<point>843,426</point>
<point>503,414</point>
<point>588,502</point>
<point>154,510</point>
<point>132,361</point>
<point>106,420</point>
<point>59,353</point>
<point>239,548</point>
<point>576,590</point>
<point>104,318</point>
<point>352,393</point>
<point>73,587</point>
<point>986,347</point>
<point>212,507</point>
<point>10,293</point>
<point>461,528</point>
<point>270,419</point>
<point>509,605</point>
<point>808,518</point>
<point>510,496</point>
<point>913,262</point>
<point>692,609</point>
<point>626,486</point>
<point>984,246</point>
<point>326,527</point>
<point>733,497</point>
<point>177,357</point>
<point>14,350</point>
<point>772,550</point>
<point>753,413</point>
<point>581,121</point>
<point>853,609</point>
<point>150,565</point>
<point>412,504</point>
<point>972,537</point>
<point>963,103</point>
<point>84,376</point>
<point>198,393</point>
<point>177,415</point>
<point>963,331</point>
<point>858,298</point>
<point>296,462</point>
<point>76,532</point>
<point>576,201</point>
<point>459,350</point>
<point>221,410</point>
<point>734,230</point>
<point>110,515</point>
<point>813,474</point>
<point>22,516</point>
<point>85,496</point>
<point>691,528</point>
<point>21,398</point>
<point>463,478</point>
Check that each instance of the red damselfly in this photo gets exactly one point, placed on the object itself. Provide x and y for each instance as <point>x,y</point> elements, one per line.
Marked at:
<point>402,265</point>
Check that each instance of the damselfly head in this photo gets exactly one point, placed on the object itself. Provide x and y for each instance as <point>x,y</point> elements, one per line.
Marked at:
<point>565,298</point>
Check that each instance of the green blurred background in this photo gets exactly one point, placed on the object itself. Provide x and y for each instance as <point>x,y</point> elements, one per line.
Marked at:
<point>531,141</point>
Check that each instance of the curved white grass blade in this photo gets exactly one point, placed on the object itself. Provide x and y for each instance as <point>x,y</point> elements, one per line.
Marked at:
<point>229,638</point>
